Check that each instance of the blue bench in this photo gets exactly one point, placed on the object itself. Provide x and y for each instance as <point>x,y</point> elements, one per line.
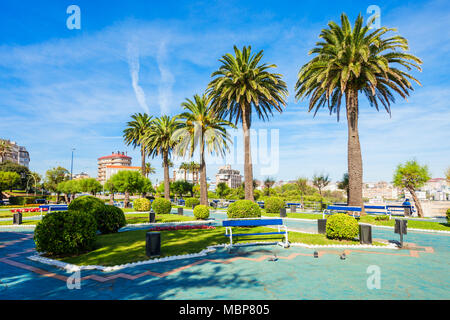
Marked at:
<point>396,209</point>
<point>54,207</point>
<point>342,209</point>
<point>260,204</point>
<point>377,210</point>
<point>228,224</point>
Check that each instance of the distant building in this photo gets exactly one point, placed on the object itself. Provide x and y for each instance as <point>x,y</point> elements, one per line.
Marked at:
<point>17,154</point>
<point>379,191</point>
<point>182,174</point>
<point>79,176</point>
<point>115,159</point>
<point>112,170</point>
<point>229,176</point>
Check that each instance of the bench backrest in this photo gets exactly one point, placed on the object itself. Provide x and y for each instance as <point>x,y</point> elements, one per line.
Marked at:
<point>252,222</point>
<point>344,208</point>
<point>61,207</point>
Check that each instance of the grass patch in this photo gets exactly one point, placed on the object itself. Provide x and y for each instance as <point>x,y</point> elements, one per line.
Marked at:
<point>297,215</point>
<point>129,246</point>
<point>143,218</point>
<point>412,224</point>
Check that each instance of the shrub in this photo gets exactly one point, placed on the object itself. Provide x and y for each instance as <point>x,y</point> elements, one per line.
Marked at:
<point>161,206</point>
<point>189,202</point>
<point>21,201</point>
<point>273,205</point>
<point>382,218</point>
<point>142,204</point>
<point>110,219</point>
<point>88,204</point>
<point>65,233</point>
<point>448,215</point>
<point>342,226</point>
<point>201,212</point>
<point>244,209</point>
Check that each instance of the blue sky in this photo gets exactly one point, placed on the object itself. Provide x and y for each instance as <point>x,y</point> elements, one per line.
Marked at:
<point>63,89</point>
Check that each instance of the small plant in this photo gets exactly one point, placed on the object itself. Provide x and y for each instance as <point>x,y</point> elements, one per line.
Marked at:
<point>65,233</point>
<point>142,204</point>
<point>273,205</point>
<point>342,226</point>
<point>110,219</point>
<point>161,206</point>
<point>382,218</point>
<point>244,209</point>
<point>189,202</point>
<point>201,212</point>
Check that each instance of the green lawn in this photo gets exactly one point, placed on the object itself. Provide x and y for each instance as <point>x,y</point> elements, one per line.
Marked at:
<point>143,218</point>
<point>297,215</point>
<point>129,246</point>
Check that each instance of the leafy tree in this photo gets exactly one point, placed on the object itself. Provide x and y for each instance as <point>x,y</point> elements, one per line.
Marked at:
<point>268,183</point>
<point>353,61</point>
<point>128,182</point>
<point>243,85</point>
<point>181,187</point>
<point>411,176</point>
<point>320,182</point>
<point>147,187</point>
<point>22,171</point>
<point>109,186</point>
<point>343,185</point>
<point>222,190</point>
<point>8,180</point>
<point>53,177</point>
<point>134,134</point>
<point>201,130</point>
<point>302,186</point>
<point>69,188</point>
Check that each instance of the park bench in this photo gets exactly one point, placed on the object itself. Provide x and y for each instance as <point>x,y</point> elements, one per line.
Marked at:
<point>399,210</point>
<point>245,223</point>
<point>53,207</point>
<point>343,209</point>
<point>377,210</point>
<point>260,204</point>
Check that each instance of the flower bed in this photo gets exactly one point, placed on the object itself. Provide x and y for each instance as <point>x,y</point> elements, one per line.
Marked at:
<point>22,210</point>
<point>181,227</point>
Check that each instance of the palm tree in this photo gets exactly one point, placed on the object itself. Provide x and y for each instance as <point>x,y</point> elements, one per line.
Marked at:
<point>352,61</point>
<point>159,142</point>
<point>320,182</point>
<point>268,183</point>
<point>185,167</point>
<point>302,185</point>
<point>149,169</point>
<point>201,128</point>
<point>135,132</point>
<point>5,149</point>
<point>194,167</point>
<point>243,85</point>
<point>343,185</point>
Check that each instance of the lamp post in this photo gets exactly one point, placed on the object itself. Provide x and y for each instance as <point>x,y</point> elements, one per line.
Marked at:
<point>71,165</point>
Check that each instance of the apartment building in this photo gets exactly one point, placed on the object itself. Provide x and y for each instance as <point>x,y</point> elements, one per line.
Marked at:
<point>230,176</point>
<point>17,154</point>
<point>115,159</point>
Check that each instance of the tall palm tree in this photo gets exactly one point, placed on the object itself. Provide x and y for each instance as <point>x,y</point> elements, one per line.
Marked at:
<point>352,61</point>
<point>194,167</point>
<point>243,85</point>
<point>135,132</point>
<point>5,149</point>
<point>201,129</point>
<point>159,142</point>
<point>149,169</point>
<point>268,183</point>
<point>185,167</point>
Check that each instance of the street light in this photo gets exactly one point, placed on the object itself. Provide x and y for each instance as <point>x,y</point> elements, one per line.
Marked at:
<point>71,165</point>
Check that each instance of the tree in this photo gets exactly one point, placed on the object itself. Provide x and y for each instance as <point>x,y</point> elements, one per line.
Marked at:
<point>128,181</point>
<point>55,176</point>
<point>134,134</point>
<point>411,176</point>
<point>33,180</point>
<point>320,182</point>
<point>22,171</point>
<point>8,180</point>
<point>185,167</point>
<point>201,129</point>
<point>149,169</point>
<point>158,139</point>
<point>243,85</point>
<point>302,186</point>
<point>343,185</point>
<point>69,188</point>
<point>5,149</point>
<point>90,185</point>
<point>194,167</point>
<point>268,183</point>
<point>147,187</point>
<point>352,61</point>
<point>109,185</point>
<point>181,187</point>
<point>222,189</point>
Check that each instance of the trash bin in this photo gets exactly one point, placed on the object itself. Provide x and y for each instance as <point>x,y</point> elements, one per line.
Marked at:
<point>293,208</point>
<point>180,211</point>
<point>365,234</point>
<point>152,217</point>
<point>153,244</point>
<point>283,212</point>
<point>17,218</point>
<point>322,226</point>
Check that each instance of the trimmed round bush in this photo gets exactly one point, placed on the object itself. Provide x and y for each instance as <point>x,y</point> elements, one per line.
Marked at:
<point>244,209</point>
<point>88,204</point>
<point>342,226</point>
<point>65,233</point>
<point>189,202</point>
<point>110,219</point>
<point>201,212</point>
<point>142,204</point>
<point>161,206</point>
<point>273,205</point>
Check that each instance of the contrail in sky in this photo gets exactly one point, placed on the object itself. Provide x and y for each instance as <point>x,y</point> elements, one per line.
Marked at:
<point>133,61</point>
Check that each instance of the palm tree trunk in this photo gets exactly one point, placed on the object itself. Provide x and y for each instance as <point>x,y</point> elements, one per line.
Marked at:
<point>111,198</point>
<point>416,201</point>
<point>143,160</point>
<point>203,185</point>
<point>166,176</point>
<point>355,170</point>
<point>126,200</point>
<point>248,167</point>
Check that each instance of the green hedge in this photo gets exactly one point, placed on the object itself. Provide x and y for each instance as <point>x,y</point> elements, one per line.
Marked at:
<point>142,204</point>
<point>274,204</point>
<point>21,201</point>
<point>201,212</point>
<point>243,209</point>
<point>110,219</point>
<point>342,226</point>
<point>88,204</point>
<point>65,233</point>
<point>161,206</point>
<point>189,202</point>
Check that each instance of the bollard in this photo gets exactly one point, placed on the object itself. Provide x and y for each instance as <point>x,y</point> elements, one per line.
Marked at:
<point>17,218</point>
<point>153,244</point>
<point>293,208</point>
<point>365,234</point>
<point>180,211</point>
<point>151,217</point>
<point>322,226</point>
<point>401,227</point>
<point>193,206</point>
<point>283,212</point>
